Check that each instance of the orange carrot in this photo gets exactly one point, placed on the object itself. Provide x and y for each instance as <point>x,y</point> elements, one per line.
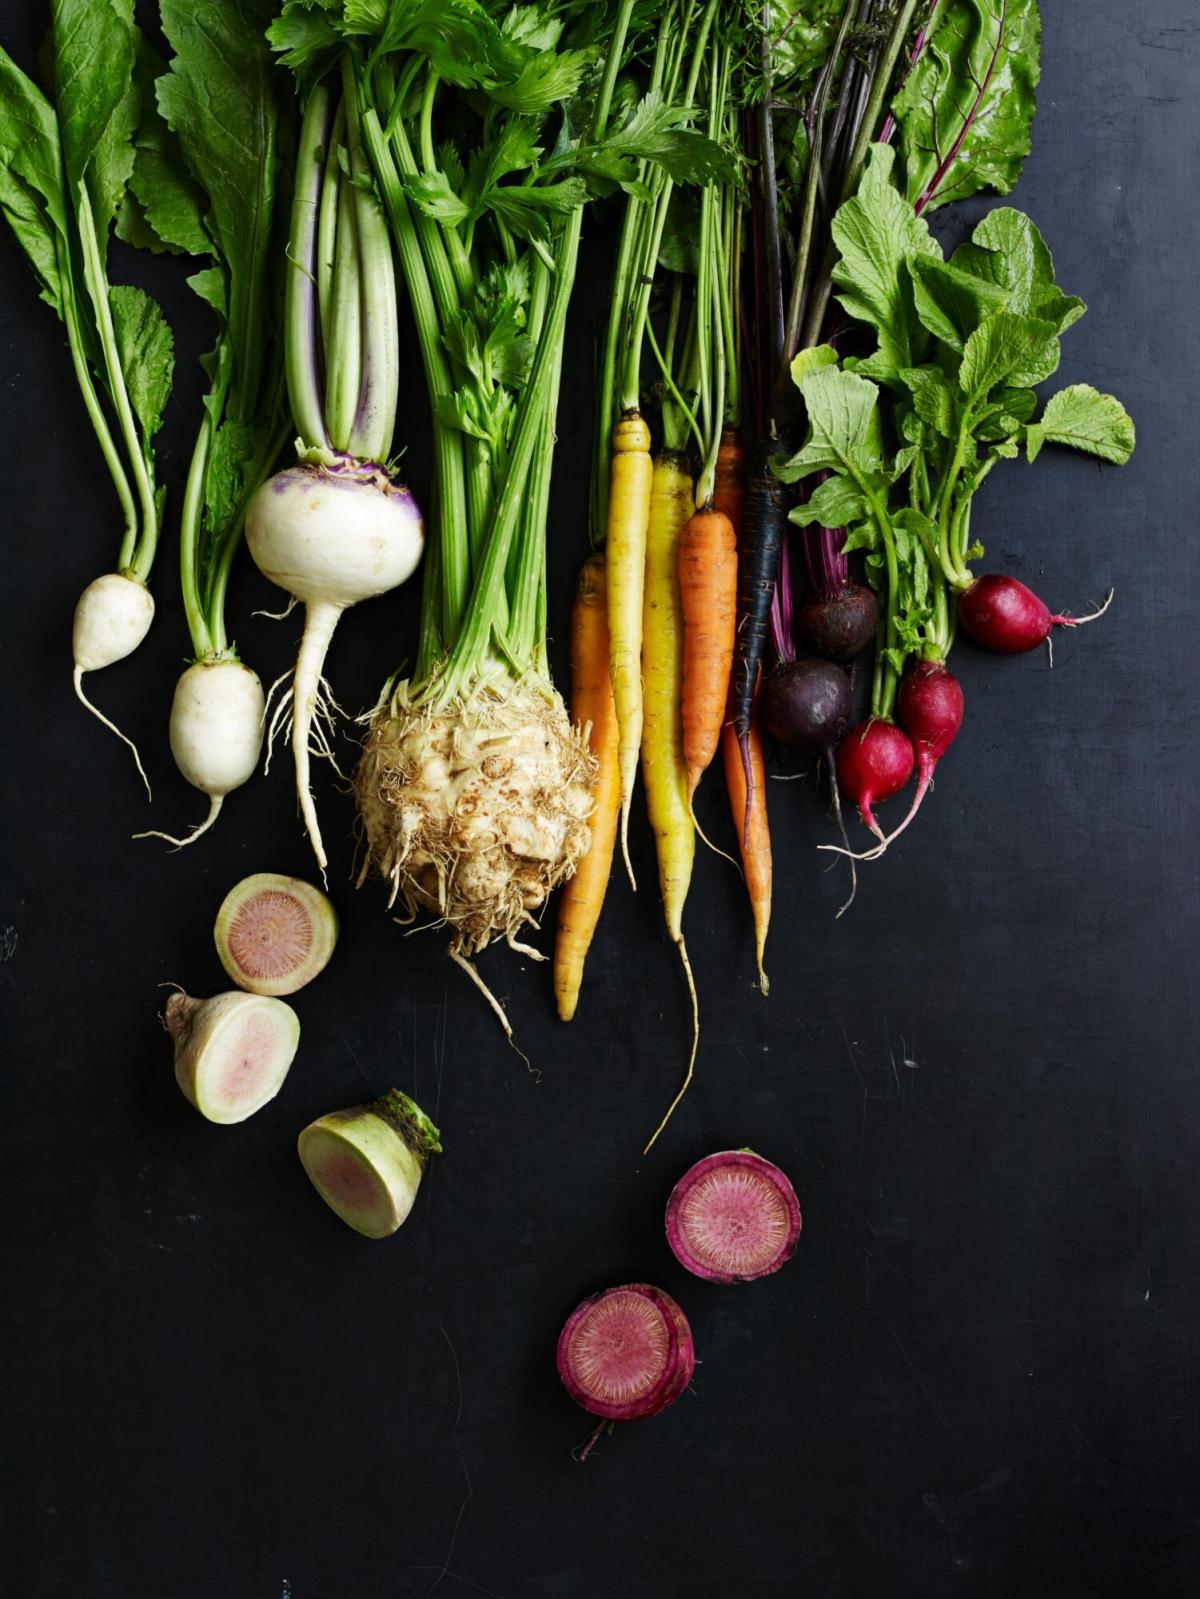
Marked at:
<point>591,703</point>
<point>708,593</point>
<point>730,483</point>
<point>754,840</point>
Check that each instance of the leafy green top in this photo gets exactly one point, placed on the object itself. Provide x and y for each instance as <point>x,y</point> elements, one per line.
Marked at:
<point>961,345</point>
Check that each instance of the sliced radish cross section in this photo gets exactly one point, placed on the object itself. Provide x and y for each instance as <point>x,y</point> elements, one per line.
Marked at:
<point>274,934</point>
<point>626,1354</point>
<point>366,1163</point>
<point>733,1217</point>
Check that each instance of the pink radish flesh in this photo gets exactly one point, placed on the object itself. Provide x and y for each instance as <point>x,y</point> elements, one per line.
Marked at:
<point>626,1354</point>
<point>1001,614</point>
<point>274,934</point>
<point>733,1217</point>
<point>874,761</point>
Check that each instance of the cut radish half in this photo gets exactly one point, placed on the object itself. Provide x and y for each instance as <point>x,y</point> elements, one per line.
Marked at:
<point>733,1217</point>
<point>366,1162</point>
<point>626,1354</point>
<point>274,934</point>
<point>232,1053</point>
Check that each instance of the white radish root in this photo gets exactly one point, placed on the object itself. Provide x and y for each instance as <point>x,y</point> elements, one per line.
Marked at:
<point>216,734</point>
<point>112,618</point>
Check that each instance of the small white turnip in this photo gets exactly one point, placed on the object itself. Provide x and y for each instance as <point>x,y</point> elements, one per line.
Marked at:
<point>217,720</point>
<point>330,535</point>
<point>112,618</point>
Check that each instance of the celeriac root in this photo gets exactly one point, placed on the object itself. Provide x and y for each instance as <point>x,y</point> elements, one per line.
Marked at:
<point>478,810</point>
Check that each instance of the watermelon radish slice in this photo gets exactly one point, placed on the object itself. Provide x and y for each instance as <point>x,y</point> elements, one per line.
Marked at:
<point>366,1163</point>
<point>733,1217</point>
<point>627,1353</point>
<point>274,934</point>
<point>232,1053</point>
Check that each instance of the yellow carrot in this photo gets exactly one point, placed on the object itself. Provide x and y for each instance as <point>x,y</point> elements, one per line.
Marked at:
<point>628,515</point>
<point>592,707</point>
<point>664,769</point>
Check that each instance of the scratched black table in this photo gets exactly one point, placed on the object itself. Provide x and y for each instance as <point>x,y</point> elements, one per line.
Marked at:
<point>979,1376</point>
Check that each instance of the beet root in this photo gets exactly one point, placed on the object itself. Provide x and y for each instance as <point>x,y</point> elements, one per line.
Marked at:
<point>1001,614</point>
<point>874,761</point>
<point>840,626</point>
<point>807,705</point>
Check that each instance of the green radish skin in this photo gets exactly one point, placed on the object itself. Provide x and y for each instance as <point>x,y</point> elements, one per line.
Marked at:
<point>112,618</point>
<point>232,1052</point>
<point>367,1162</point>
<point>274,934</point>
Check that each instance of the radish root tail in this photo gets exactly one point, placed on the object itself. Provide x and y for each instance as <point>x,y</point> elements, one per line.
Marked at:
<point>691,1065</point>
<point>77,679</point>
<point>214,810</point>
<point>1079,621</point>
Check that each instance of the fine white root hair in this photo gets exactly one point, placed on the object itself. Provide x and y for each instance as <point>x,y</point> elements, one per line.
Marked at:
<point>279,616</point>
<point>77,679</point>
<point>214,810</point>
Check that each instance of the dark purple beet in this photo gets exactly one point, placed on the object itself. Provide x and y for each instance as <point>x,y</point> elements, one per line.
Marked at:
<point>807,705</point>
<point>840,627</point>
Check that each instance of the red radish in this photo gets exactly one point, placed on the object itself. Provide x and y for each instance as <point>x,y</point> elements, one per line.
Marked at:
<point>1003,615</point>
<point>232,1053</point>
<point>874,761</point>
<point>274,934</point>
<point>366,1163</point>
<point>930,708</point>
<point>626,1354</point>
<point>733,1217</point>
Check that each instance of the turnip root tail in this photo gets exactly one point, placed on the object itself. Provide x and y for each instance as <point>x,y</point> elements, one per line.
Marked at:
<point>214,810</point>
<point>691,1065</point>
<point>320,619</point>
<point>77,679</point>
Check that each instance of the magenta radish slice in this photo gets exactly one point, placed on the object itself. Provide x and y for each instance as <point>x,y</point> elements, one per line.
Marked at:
<point>733,1217</point>
<point>274,934</point>
<point>627,1353</point>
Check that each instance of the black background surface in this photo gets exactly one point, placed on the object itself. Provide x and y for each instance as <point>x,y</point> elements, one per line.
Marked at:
<point>978,1376</point>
